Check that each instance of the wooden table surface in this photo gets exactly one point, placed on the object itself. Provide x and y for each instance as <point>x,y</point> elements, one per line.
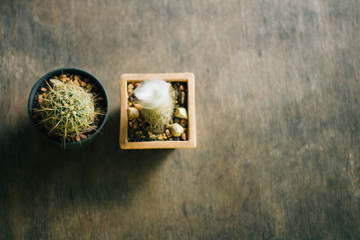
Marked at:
<point>277,102</point>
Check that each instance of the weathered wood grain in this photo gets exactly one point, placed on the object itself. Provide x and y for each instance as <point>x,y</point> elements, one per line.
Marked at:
<point>277,106</point>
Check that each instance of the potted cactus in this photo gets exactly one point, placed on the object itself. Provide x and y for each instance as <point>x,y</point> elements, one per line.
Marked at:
<point>157,111</point>
<point>69,106</point>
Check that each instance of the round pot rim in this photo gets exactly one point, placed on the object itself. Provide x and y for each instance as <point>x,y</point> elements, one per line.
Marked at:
<point>47,76</point>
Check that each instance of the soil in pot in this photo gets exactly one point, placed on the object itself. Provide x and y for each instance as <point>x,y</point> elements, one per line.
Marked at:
<point>138,130</point>
<point>69,107</point>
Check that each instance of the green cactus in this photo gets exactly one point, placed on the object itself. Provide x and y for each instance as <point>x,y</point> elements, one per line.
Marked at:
<point>67,110</point>
<point>156,103</point>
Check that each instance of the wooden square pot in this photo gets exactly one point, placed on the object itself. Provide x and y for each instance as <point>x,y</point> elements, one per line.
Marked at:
<point>187,78</point>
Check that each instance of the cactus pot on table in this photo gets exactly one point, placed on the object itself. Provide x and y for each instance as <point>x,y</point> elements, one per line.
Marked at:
<point>70,107</point>
<point>157,111</point>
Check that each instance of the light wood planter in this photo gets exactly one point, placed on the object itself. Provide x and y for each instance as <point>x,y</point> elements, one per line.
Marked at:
<point>187,78</point>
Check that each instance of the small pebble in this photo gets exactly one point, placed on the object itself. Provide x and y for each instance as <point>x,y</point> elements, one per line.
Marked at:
<point>176,129</point>
<point>172,92</point>
<point>137,106</point>
<point>181,88</point>
<point>182,98</point>
<point>183,122</point>
<point>136,84</point>
<point>83,136</point>
<point>183,136</point>
<point>63,77</point>
<point>77,138</point>
<point>164,136</point>
<point>131,99</point>
<point>168,134</point>
<point>43,89</point>
<point>40,99</point>
<point>181,113</point>
<point>133,113</point>
<point>135,125</point>
<point>151,135</point>
<point>82,83</point>
<point>130,88</point>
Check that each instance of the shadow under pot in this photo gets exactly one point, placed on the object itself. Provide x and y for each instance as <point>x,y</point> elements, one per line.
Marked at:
<point>69,106</point>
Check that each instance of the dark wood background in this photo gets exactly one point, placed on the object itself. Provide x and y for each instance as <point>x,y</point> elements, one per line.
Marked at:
<point>277,101</point>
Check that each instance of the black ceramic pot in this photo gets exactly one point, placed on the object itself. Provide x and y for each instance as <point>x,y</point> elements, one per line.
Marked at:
<point>94,80</point>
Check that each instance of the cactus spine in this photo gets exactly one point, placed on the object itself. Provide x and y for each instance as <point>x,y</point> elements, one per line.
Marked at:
<point>67,110</point>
